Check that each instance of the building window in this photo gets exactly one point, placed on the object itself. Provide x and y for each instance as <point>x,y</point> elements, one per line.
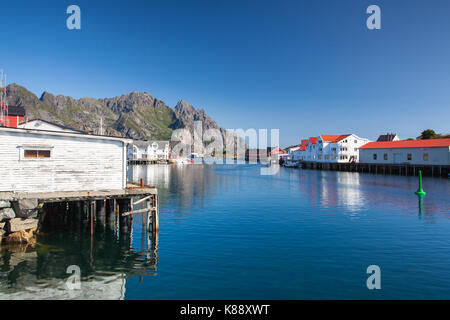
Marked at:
<point>36,153</point>
<point>356,141</point>
<point>327,157</point>
<point>385,156</point>
<point>425,156</point>
<point>374,156</point>
<point>409,156</point>
<point>333,157</point>
<point>356,149</point>
<point>320,157</point>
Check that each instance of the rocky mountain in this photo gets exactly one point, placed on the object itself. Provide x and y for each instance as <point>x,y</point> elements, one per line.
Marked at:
<point>136,115</point>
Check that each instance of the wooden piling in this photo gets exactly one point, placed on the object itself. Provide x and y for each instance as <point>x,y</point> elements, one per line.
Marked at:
<point>123,220</point>
<point>92,217</point>
<point>100,213</point>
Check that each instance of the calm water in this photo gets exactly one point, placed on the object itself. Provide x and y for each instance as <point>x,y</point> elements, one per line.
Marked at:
<point>226,232</point>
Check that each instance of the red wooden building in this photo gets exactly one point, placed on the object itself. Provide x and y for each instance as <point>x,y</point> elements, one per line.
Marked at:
<point>13,117</point>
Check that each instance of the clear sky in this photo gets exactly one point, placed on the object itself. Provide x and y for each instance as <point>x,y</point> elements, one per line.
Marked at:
<point>305,67</point>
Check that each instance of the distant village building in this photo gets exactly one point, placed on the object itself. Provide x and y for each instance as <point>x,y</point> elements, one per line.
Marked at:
<point>388,137</point>
<point>264,155</point>
<point>275,152</point>
<point>414,152</point>
<point>149,150</point>
<point>60,159</point>
<point>330,149</point>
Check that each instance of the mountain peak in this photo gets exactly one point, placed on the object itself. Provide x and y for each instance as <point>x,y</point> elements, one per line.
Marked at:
<point>184,108</point>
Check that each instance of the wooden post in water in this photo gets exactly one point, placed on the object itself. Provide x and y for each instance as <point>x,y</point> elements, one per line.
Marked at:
<point>130,217</point>
<point>91,215</point>
<point>116,214</point>
<point>123,220</point>
<point>110,214</point>
<point>100,213</point>
<point>155,218</point>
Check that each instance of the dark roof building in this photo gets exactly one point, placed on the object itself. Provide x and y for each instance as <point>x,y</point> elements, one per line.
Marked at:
<point>388,137</point>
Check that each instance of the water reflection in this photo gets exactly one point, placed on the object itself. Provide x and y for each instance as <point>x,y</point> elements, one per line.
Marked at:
<point>105,262</point>
<point>186,184</point>
<point>356,192</point>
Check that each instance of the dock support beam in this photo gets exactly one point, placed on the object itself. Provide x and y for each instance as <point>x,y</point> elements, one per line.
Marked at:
<point>100,213</point>
<point>124,221</point>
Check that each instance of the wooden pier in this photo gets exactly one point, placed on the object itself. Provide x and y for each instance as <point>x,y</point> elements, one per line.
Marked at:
<point>386,169</point>
<point>44,211</point>
<point>146,161</point>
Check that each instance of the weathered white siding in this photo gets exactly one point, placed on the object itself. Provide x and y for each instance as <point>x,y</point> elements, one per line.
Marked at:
<point>76,163</point>
<point>43,125</point>
<point>436,156</point>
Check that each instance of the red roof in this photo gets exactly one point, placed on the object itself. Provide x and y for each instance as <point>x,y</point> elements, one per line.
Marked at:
<point>428,143</point>
<point>313,140</point>
<point>278,150</point>
<point>333,138</point>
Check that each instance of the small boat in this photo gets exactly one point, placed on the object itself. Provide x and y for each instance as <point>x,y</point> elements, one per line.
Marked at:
<point>290,164</point>
<point>182,161</point>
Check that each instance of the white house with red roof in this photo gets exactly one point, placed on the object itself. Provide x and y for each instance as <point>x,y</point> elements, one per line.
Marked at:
<point>339,148</point>
<point>299,153</point>
<point>413,152</point>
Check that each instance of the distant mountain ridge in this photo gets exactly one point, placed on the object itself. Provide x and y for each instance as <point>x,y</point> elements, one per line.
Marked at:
<point>136,115</point>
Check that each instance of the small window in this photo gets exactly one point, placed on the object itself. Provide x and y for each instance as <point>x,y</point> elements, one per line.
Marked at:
<point>385,156</point>
<point>36,153</point>
<point>374,156</point>
<point>356,141</point>
<point>409,156</point>
<point>425,156</point>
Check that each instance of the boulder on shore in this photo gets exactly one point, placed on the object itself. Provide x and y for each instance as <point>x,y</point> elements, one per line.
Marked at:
<point>17,224</point>
<point>7,213</point>
<point>26,208</point>
<point>4,204</point>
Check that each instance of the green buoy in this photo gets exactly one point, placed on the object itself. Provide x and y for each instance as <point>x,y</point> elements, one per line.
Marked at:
<point>420,191</point>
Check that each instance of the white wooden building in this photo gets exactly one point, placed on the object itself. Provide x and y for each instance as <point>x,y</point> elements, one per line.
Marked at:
<point>330,149</point>
<point>149,150</point>
<point>39,124</point>
<point>339,148</point>
<point>48,161</point>
<point>434,152</point>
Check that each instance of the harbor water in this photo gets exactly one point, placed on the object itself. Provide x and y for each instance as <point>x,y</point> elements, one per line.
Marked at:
<point>228,232</point>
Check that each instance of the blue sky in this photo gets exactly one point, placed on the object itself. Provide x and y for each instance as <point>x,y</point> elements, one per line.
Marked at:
<point>305,67</point>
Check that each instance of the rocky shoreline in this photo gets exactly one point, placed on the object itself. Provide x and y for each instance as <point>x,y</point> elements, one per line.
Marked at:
<point>18,221</point>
